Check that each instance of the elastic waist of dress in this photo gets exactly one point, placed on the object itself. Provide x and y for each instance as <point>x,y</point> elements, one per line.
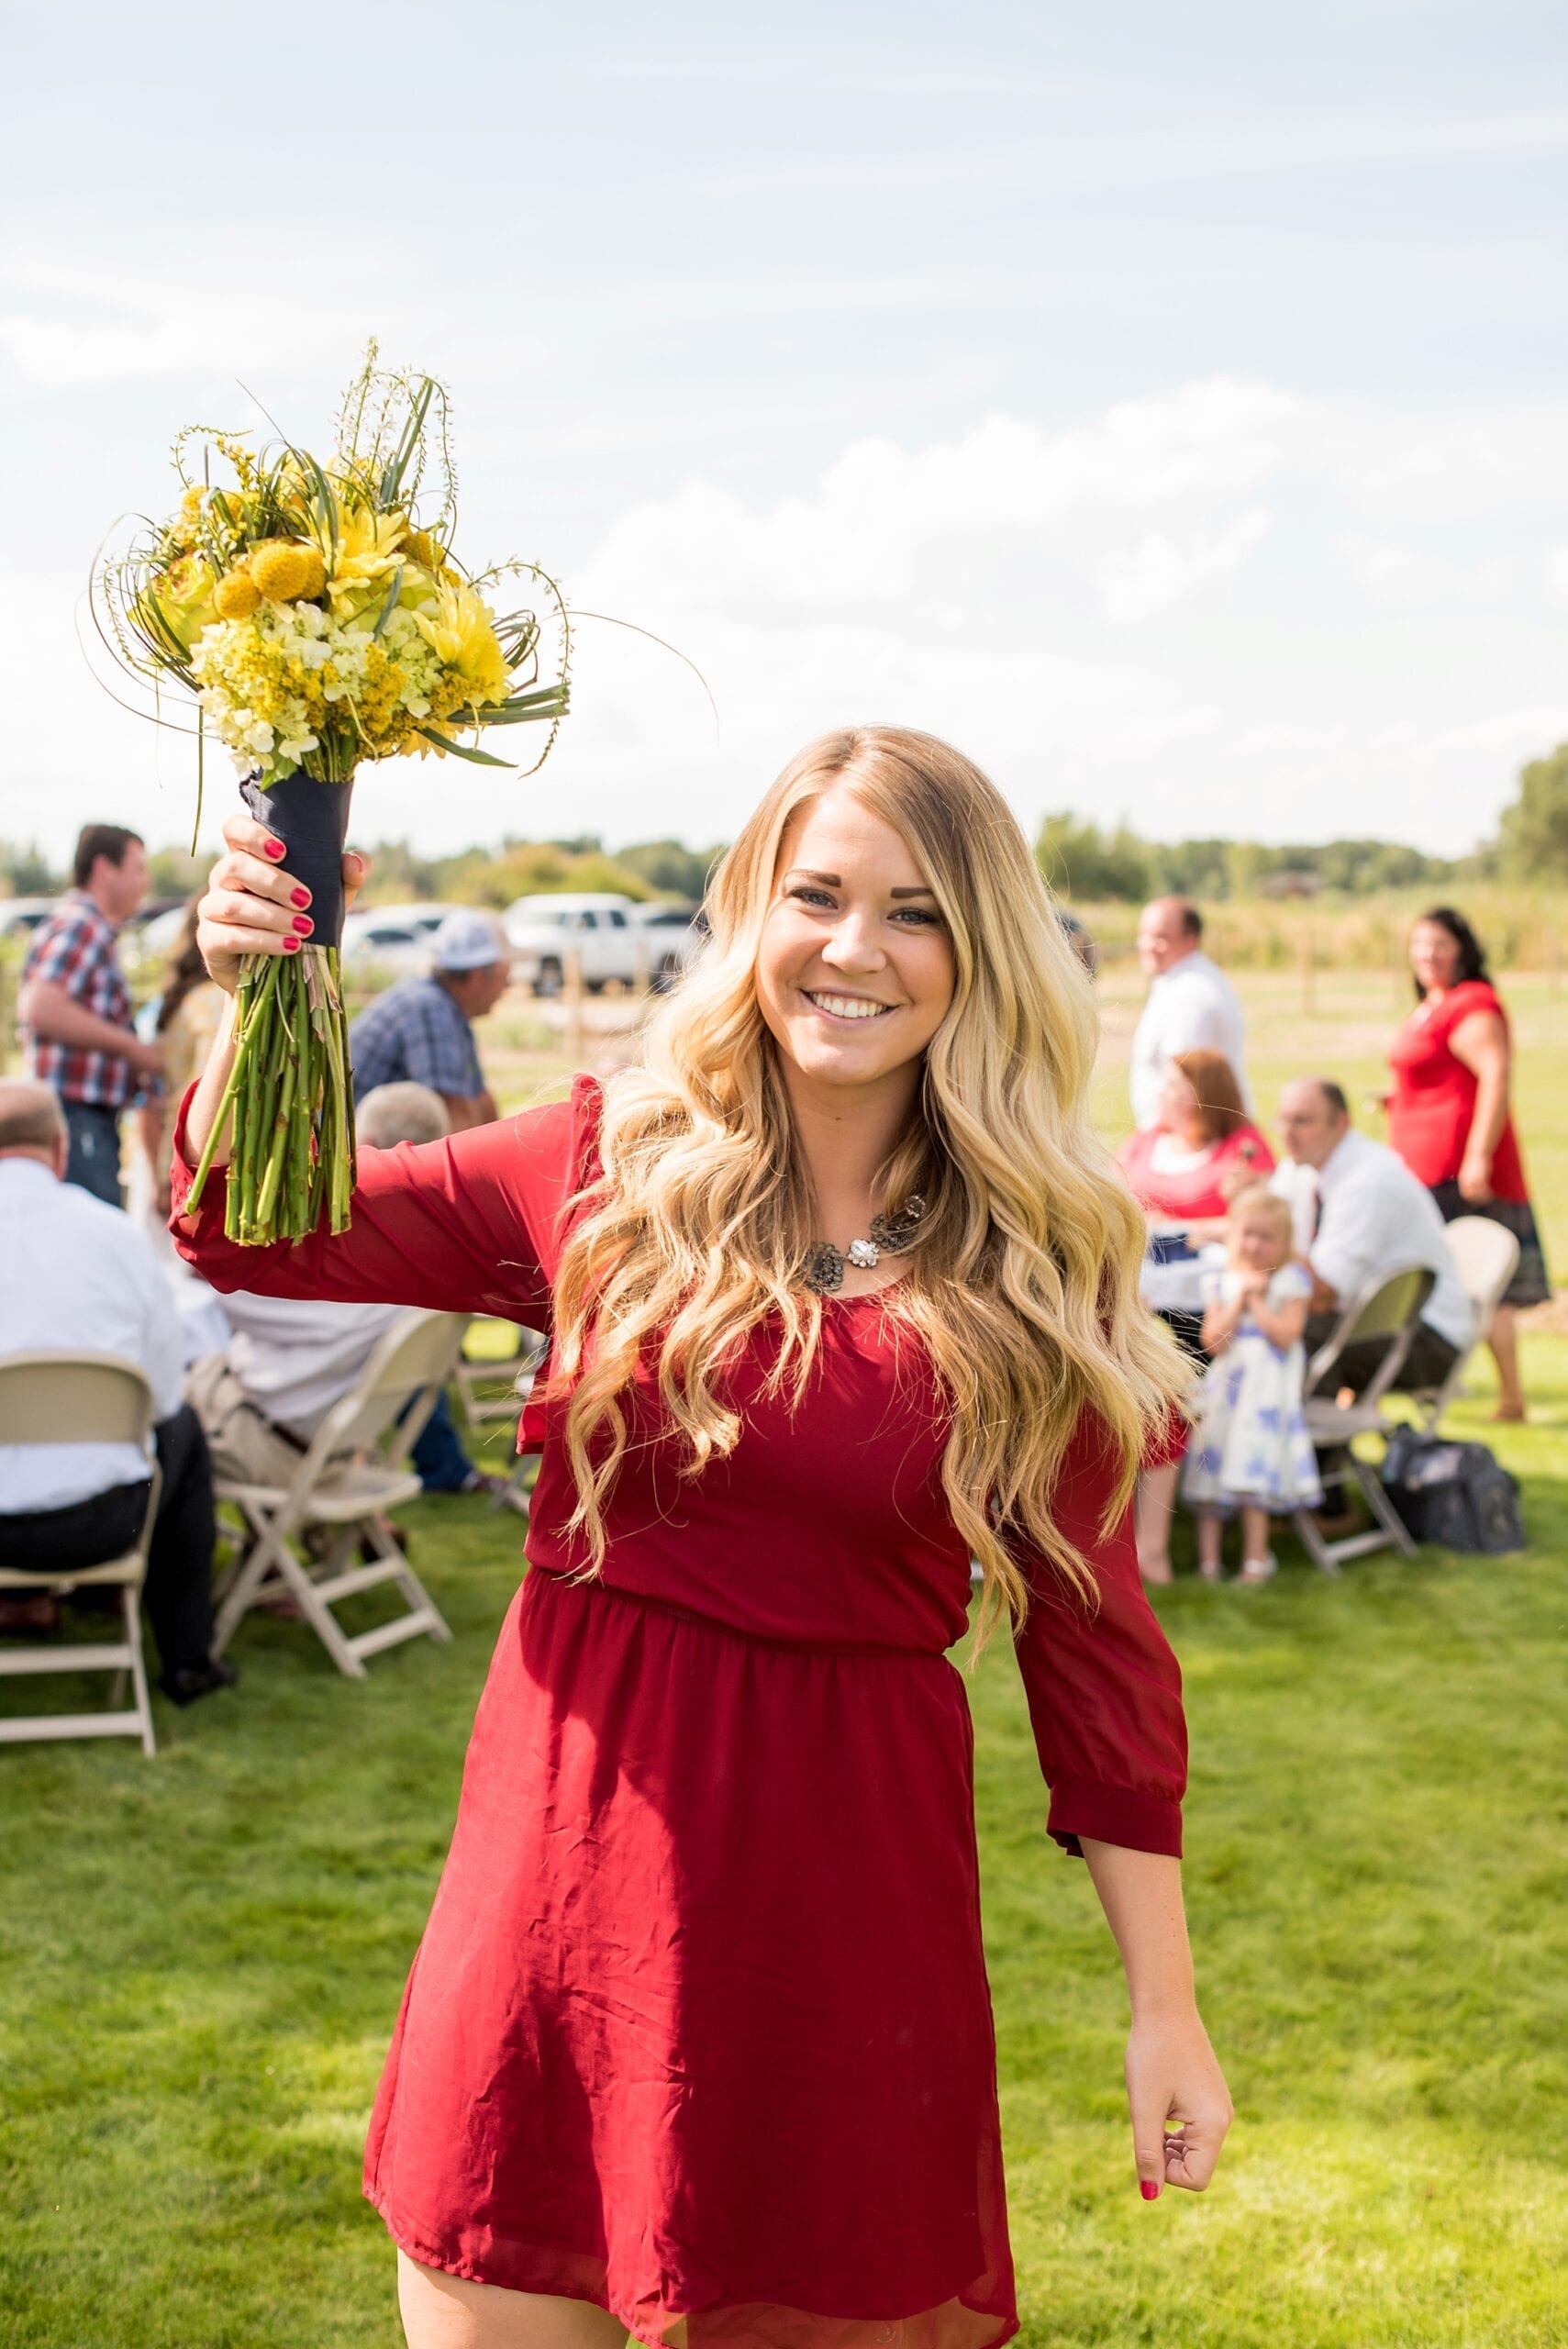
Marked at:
<point>872,1650</point>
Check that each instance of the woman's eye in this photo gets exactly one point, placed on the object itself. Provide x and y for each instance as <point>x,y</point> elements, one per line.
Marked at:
<point>811,896</point>
<point>919,917</point>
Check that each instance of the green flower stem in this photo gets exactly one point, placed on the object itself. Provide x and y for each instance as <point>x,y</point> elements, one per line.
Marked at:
<point>291,1157</point>
<point>246,988</point>
<point>267,1201</point>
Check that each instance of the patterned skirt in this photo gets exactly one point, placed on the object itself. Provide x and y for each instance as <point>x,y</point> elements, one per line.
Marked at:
<point>1530,1285</point>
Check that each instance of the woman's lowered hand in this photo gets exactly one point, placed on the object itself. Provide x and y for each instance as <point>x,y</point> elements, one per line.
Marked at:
<point>1178,2100</point>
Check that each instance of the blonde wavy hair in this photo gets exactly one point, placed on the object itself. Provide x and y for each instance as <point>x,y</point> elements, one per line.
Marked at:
<point>1024,1285</point>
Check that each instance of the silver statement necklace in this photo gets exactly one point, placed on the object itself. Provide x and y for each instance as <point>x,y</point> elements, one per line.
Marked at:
<point>890,1235</point>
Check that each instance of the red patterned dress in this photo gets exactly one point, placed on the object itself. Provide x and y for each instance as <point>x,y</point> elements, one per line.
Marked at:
<point>699,2027</point>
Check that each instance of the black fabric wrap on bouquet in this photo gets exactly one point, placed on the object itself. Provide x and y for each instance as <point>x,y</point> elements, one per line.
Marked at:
<point>291,1163</point>
<point>311,818</point>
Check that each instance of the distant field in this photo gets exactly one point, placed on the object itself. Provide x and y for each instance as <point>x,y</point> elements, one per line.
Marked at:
<point>1522,929</point>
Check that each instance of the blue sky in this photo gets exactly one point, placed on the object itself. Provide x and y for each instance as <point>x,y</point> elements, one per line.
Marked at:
<point>1167,405</point>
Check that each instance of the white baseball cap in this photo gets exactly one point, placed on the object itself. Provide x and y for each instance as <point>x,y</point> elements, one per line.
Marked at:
<point>468,940</point>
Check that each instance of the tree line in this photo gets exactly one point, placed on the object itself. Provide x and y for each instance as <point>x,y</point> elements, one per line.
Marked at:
<point>1084,860</point>
<point>1098,863</point>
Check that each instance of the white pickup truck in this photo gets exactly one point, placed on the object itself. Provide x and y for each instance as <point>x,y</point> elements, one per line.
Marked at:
<point>614,942</point>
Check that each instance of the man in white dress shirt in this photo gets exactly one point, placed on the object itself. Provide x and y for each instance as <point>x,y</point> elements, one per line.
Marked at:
<point>1191,1005</point>
<point>77,1274</point>
<point>1359,1213</point>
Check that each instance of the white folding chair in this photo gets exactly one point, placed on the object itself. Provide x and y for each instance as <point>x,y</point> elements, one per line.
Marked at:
<point>473,1373</point>
<point>1486,1257</point>
<point>56,1397</point>
<point>353,1473</point>
<point>515,1493</point>
<point>1384,1316</point>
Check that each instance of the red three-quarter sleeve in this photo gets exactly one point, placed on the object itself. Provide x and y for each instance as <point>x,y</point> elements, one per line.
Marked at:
<point>467,1225</point>
<point>1105,1691</point>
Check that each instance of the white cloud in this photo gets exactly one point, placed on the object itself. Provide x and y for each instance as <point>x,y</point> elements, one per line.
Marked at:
<point>1229,606</point>
<point>985,585</point>
<point>1403,574</point>
<point>1138,581</point>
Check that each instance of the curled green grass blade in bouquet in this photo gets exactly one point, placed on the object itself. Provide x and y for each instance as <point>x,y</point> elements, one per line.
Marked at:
<point>317,616</point>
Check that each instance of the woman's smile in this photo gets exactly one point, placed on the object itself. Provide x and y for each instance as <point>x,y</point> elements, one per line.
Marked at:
<point>845,1008</point>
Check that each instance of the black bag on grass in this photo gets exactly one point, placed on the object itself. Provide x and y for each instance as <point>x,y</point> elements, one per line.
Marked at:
<point>1455,1495</point>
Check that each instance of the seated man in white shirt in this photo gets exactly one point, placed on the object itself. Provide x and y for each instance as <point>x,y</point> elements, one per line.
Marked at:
<point>77,1274</point>
<point>262,1399</point>
<point>1360,1214</point>
<point>1192,1007</point>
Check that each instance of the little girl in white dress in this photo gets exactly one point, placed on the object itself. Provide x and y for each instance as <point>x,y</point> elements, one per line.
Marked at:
<point>1250,1454</point>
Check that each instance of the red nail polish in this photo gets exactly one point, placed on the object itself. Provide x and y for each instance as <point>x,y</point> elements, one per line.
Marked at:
<point>304,924</point>
<point>274,850</point>
<point>1149,2189</point>
<point>290,946</point>
<point>299,896</point>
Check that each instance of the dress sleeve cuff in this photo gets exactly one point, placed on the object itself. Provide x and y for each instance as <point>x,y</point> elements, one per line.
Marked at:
<point>1140,1823</point>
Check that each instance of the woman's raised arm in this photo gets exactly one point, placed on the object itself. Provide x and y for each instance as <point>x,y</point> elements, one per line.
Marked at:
<point>466,1225</point>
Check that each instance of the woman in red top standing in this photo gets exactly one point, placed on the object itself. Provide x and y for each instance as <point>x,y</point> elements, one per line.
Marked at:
<point>843,1293</point>
<point>1450,1119</point>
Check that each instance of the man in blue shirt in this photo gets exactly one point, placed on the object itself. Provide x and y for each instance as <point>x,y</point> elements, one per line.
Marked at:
<point>421,1030</point>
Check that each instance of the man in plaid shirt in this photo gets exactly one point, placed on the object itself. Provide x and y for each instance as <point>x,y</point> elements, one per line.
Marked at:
<point>75,1007</point>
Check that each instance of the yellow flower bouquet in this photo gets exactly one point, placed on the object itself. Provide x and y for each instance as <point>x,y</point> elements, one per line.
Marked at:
<point>321,622</point>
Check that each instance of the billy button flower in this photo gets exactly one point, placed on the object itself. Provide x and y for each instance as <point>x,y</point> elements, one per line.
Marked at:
<point>286,572</point>
<point>236,596</point>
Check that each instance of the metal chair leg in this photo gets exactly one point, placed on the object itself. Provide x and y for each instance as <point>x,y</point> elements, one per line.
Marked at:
<point>1383,1509</point>
<point>130,1601</point>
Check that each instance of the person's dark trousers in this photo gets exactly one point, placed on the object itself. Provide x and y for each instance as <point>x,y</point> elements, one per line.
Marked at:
<point>177,1592</point>
<point>1425,1364</point>
<point>440,1460</point>
<point>95,1160</point>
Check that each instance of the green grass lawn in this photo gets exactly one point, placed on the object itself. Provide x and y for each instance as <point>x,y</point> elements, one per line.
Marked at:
<point>201,1956</point>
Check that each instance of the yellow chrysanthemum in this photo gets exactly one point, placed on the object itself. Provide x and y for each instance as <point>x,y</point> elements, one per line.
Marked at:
<point>236,596</point>
<point>419,548</point>
<point>367,551</point>
<point>458,627</point>
<point>285,571</point>
<point>192,501</point>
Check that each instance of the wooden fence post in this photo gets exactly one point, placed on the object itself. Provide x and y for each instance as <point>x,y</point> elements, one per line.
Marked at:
<point>574,1047</point>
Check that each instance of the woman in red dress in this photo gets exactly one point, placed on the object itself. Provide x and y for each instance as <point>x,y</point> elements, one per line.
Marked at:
<point>697,2044</point>
<point>1449,1118</point>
